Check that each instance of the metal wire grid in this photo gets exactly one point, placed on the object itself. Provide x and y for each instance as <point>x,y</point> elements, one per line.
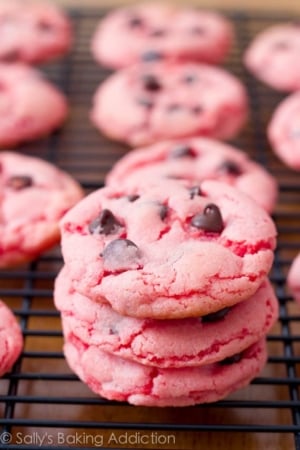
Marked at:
<point>41,394</point>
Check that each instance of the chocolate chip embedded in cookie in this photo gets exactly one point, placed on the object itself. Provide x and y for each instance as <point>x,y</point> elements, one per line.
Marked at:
<point>195,160</point>
<point>34,197</point>
<point>176,255</point>
<point>154,32</point>
<point>158,105</point>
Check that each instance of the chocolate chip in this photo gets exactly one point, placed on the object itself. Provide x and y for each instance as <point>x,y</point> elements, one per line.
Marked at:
<point>133,198</point>
<point>135,22</point>
<point>151,83</point>
<point>214,317</point>
<point>151,55</point>
<point>230,167</point>
<point>231,360</point>
<point>158,33</point>
<point>194,191</point>
<point>182,151</point>
<point>120,254</point>
<point>19,182</point>
<point>210,220</point>
<point>197,109</point>
<point>106,223</point>
<point>189,79</point>
<point>163,212</point>
<point>145,102</point>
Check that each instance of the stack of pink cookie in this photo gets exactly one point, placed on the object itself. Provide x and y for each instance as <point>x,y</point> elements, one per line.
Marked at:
<point>164,295</point>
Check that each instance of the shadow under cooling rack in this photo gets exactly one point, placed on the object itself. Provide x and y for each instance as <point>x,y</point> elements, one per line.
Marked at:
<point>42,404</point>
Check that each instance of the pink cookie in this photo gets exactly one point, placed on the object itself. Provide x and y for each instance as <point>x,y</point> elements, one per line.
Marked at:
<point>293,278</point>
<point>170,251</point>
<point>167,343</point>
<point>274,56</point>
<point>30,107</point>
<point>196,159</point>
<point>284,131</point>
<point>160,31</point>
<point>32,31</point>
<point>151,102</point>
<point>118,379</point>
<point>34,197</point>
<point>11,340</point>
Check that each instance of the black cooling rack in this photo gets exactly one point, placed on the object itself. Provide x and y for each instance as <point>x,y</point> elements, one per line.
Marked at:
<point>42,404</point>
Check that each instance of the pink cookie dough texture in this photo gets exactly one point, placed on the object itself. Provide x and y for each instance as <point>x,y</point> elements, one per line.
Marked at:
<point>118,379</point>
<point>166,343</point>
<point>284,131</point>
<point>293,278</point>
<point>151,102</point>
<point>274,56</point>
<point>30,106</point>
<point>196,159</point>
<point>32,31</point>
<point>11,340</point>
<point>168,252</point>
<point>34,197</point>
<point>141,32</point>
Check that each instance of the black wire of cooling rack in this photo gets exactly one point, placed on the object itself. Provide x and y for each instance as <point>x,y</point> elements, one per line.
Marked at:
<point>41,398</point>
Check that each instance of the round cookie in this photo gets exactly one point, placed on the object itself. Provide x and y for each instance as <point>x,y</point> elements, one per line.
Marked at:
<point>32,31</point>
<point>195,159</point>
<point>274,56</point>
<point>150,102</point>
<point>171,251</point>
<point>284,131</point>
<point>11,340</point>
<point>293,279</point>
<point>118,379</point>
<point>30,107</point>
<point>161,31</point>
<point>34,195</point>
<point>166,343</point>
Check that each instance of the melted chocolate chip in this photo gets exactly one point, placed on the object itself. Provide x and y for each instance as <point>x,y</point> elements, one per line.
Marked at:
<point>19,182</point>
<point>197,109</point>
<point>182,151</point>
<point>151,83</point>
<point>120,254</point>
<point>132,198</point>
<point>231,360</point>
<point>214,317</point>
<point>151,55</point>
<point>230,167</point>
<point>194,191</point>
<point>135,22</point>
<point>163,212</point>
<point>106,223</point>
<point>145,102</point>
<point>210,220</point>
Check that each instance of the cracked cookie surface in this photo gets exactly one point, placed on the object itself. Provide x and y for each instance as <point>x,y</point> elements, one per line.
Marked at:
<point>11,340</point>
<point>166,343</point>
<point>171,251</point>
